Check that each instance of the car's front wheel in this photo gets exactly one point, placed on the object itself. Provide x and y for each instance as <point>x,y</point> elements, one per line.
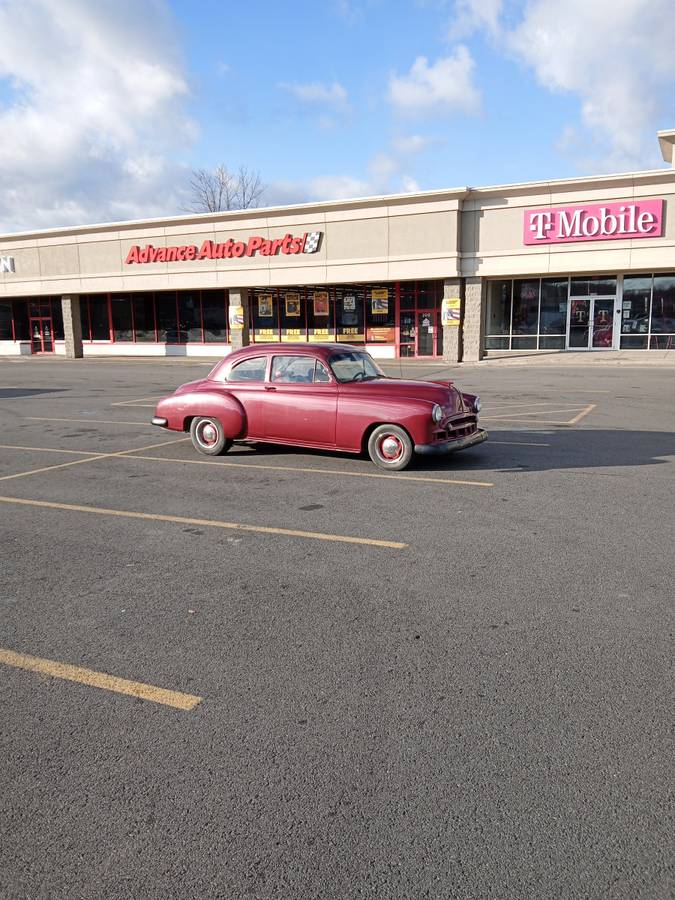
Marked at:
<point>390,447</point>
<point>208,436</point>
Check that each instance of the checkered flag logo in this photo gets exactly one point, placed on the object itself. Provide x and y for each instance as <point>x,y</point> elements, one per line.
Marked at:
<point>312,242</point>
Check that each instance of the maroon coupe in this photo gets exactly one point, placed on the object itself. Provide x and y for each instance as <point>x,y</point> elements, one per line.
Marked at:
<point>324,396</point>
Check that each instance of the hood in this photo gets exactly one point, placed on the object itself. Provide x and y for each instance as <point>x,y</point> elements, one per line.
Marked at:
<point>441,392</point>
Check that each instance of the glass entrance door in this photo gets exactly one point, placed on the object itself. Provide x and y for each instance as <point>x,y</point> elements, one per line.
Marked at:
<point>602,316</point>
<point>41,335</point>
<point>426,332</point>
<point>591,323</point>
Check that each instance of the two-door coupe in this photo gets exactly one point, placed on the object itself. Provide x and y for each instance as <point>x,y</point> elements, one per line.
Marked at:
<point>324,396</point>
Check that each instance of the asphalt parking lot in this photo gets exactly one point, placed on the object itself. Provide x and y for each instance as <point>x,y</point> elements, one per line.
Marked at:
<point>281,674</point>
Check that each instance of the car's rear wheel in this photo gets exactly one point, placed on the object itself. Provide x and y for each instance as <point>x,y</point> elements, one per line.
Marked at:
<point>208,436</point>
<point>390,447</point>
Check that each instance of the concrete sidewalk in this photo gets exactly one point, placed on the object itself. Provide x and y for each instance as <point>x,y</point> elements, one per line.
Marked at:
<point>580,358</point>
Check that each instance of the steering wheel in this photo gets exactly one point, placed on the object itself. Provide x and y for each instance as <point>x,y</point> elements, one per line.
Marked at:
<point>359,376</point>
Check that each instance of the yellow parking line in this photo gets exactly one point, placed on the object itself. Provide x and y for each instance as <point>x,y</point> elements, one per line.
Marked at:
<point>314,471</point>
<point>94,421</point>
<point>584,412</point>
<point>87,459</point>
<point>539,412</point>
<point>212,523</point>
<point>50,667</point>
<point>138,400</point>
<point>49,450</point>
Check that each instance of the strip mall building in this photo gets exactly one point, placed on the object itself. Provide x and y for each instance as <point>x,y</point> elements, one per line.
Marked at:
<point>583,264</point>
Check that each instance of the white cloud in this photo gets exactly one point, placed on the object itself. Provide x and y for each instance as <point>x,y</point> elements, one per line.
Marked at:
<point>617,56</point>
<point>317,93</point>
<point>444,87</point>
<point>474,15</point>
<point>95,111</point>
<point>386,175</point>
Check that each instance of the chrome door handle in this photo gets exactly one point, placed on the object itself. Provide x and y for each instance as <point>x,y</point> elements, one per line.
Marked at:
<point>268,387</point>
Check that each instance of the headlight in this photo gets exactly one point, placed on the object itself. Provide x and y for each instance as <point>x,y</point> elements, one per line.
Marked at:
<point>436,413</point>
<point>477,404</point>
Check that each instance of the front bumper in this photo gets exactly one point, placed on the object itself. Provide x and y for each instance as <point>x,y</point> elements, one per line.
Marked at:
<point>158,420</point>
<point>449,446</point>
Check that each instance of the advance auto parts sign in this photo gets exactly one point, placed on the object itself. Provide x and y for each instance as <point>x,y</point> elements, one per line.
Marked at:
<point>309,242</point>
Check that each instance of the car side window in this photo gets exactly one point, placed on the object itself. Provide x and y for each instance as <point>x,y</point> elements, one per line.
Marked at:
<point>293,369</point>
<point>253,369</point>
<point>321,375</point>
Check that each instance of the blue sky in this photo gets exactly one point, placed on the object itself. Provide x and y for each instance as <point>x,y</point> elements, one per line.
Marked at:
<point>107,105</point>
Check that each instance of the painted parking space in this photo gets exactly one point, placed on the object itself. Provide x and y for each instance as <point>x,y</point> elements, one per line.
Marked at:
<point>99,680</point>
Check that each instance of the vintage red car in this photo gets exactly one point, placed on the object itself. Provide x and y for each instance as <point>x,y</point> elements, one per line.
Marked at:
<point>324,396</point>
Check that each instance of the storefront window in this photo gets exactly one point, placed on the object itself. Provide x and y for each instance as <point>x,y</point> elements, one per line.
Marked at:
<point>189,317</point>
<point>498,315</point>
<point>349,314</point>
<point>637,292</point>
<point>167,320</point>
<point>292,310</point>
<point>215,316</point>
<point>525,308</point>
<point>98,315</point>
<point>6,330</point>
<point>121,317</point>
<point>600,285</point>
<point>320,315</point>
<point>57,319</point>
<point>407,294</point>
<point>265,316</point>
<point>144,317</point>
<point>380,315</point>
<point>663,310</point>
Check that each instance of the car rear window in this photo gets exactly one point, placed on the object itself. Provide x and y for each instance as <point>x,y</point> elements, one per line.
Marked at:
<point>253,369</point>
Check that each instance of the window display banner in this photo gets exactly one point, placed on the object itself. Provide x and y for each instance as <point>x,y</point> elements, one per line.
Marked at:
<point>265,305</point>
<point>380,301</point>
<point>350,335</point>
<point>321,303</point>
<point>349,303</point>
<point>292,305</point>
<point>451,311</point>
<point>265,335</point>
<point>318,335</point>
<point>293,335</point>
<point>236,317</point>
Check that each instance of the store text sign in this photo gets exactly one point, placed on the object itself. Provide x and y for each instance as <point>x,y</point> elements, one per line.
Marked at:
<point>306,243</point>
<point>7,264</point>
<point>598,222</point>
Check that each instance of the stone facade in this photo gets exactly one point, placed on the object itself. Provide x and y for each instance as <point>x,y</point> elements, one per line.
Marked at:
<point>473,319</point>
<point>239,297</point>
<point>72,326</point>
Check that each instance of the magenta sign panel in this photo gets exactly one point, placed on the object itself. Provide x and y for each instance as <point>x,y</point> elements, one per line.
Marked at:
<point>597,222</point>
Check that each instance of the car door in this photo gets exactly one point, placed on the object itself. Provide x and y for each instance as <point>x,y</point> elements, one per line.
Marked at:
<point>300,403</point>
<point>246,381</point>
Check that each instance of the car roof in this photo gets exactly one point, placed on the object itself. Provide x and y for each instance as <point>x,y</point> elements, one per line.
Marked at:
<point>318,351</point>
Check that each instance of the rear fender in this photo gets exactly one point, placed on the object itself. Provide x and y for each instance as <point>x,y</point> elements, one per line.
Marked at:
<point>180,409</point>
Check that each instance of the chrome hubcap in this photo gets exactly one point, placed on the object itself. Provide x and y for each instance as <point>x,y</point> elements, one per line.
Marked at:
<point>391,447</point>
<point>207,433</point>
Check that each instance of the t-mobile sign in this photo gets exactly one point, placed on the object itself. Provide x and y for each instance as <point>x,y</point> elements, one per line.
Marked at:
<point>599,222</point>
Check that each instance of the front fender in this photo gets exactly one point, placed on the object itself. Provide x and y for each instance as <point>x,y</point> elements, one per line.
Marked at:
<point>178,409</point>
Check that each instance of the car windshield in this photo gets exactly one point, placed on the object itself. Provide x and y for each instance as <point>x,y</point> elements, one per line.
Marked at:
<point>354,365</point>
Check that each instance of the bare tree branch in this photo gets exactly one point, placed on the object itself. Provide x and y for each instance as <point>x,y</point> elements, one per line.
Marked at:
<point>222,190</point>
